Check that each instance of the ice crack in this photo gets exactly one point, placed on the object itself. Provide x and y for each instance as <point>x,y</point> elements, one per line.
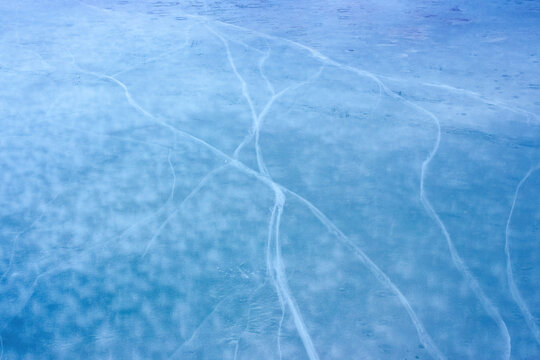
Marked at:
<point>516,295</point>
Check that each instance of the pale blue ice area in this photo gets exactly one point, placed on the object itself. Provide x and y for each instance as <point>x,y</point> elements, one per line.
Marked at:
<point>269,179</point>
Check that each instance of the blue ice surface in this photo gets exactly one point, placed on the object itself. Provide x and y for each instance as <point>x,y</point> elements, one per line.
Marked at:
<point>249,179</point>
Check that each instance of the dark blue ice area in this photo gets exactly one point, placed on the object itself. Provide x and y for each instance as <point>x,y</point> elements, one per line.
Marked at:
<point>269,179</point>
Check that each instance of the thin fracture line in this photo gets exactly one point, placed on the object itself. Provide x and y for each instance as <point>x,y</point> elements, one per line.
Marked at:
<point>201,183</point>
<point>529,318</point>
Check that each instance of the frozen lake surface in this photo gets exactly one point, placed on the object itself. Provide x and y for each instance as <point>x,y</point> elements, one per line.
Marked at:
<point>272,179</point>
